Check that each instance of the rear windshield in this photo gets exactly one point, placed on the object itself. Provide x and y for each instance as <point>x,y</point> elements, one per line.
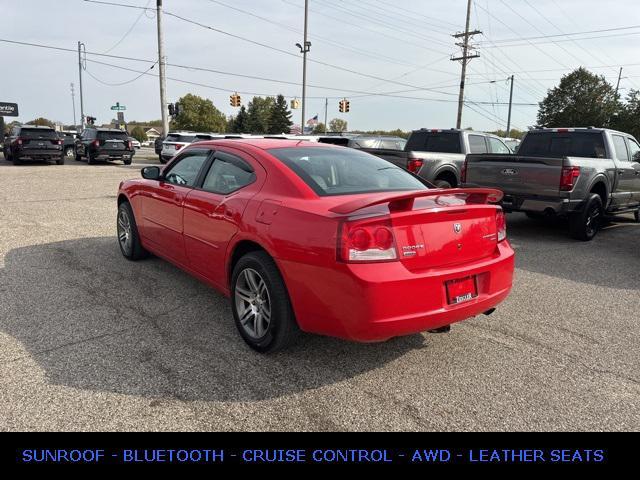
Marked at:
<point>38,133</point>
<point>559,145</point>
<point>443,142</point>
<point>340,171</point>
<point>173,137</point>
<point>112,136</point>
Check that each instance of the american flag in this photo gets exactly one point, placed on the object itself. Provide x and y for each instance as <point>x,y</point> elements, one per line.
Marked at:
<point>313,121</point>
<point>296,130</point>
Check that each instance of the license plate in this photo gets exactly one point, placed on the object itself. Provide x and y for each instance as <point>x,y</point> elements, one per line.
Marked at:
<point>461,290</point>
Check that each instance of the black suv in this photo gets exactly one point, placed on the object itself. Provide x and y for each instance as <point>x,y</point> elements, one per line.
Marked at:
<point>26,142</point>
<point>104,144</point>
<point>68,144</point>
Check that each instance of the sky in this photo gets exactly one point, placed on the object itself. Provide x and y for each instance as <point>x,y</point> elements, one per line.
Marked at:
<point>360,50</point>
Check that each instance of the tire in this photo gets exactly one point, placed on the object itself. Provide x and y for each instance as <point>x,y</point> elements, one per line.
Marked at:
<point>257,286</point>
<point>128,237</point>
<point>60,161</point>
<point>636,216</point>
<point>128,161</point>
<point>440,183</point>
<point>70,153</point>
<point>90,159</point>
<point>163,161</point>
<point>78,157</point>
<point>16,160</point>
<point>584,225</point>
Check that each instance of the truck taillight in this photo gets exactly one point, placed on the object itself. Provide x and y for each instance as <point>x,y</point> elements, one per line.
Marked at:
<point>463,172</point>
<point>367,241</point>
<point>19,141</point>
<point>178,147</point>
<point>501,225</point>
<point>96,143</point>
<point>568,178</point>
<point>414,164</point>
<point>130,145</point>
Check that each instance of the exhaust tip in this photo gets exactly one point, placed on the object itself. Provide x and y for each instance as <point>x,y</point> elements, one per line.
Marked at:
<point>489,312</point>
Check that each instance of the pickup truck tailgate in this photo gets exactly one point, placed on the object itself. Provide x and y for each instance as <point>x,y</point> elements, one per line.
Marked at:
<point>514,174</point>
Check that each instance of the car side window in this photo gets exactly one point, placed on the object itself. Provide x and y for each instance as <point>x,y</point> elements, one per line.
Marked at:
<point>186,169</point>
<point>620,147</point>
<point>634,150</point>
<point>477,144</point>
<point>496,146</point>
<point>227,174</point>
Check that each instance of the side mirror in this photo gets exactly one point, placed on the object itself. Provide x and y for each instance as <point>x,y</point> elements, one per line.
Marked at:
<point>150,173</point>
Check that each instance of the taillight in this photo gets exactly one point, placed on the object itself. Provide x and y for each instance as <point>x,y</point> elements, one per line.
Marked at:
<point>367,241</point>
<point>130,145</point>
<point>463,172</point>
<point>178,147</point>
<point>501,225</point>
<point>96,143</point>
<point>568,178</point>
<point>414,164</point>
<point>19,141</point>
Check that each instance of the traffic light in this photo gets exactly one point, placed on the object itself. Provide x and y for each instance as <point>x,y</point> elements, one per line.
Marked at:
<point>91,120</point>
<point>172,110</point>
<point>235,100</point>
<point>346,106</point>
<point>343,106</point>
<point>177,108</point>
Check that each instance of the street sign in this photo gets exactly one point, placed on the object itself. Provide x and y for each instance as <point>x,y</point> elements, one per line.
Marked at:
<point>8,109</point>
<point>118,108</point>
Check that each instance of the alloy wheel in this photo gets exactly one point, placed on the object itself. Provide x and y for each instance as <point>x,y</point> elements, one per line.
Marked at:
<point>124,231</point>
<point>253,303</point>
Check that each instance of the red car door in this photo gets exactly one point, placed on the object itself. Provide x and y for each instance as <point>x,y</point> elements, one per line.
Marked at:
<point>213,212</point>
<point>162,204</point>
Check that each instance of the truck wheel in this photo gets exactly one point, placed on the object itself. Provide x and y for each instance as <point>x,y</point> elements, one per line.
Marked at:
<point>585,224</point>
<point>127,161</point>
<point>442,184</point>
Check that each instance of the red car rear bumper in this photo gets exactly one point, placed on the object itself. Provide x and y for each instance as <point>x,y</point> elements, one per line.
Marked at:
<point>374,302</point>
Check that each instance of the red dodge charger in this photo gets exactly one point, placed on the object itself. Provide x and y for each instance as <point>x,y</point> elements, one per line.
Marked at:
<point>318,238</point>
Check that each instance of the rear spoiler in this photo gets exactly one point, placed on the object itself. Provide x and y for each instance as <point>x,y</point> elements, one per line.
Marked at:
<point>404,201</point>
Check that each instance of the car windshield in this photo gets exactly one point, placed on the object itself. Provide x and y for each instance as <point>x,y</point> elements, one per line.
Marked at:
<point>174,137</point>
<point>37,133</point>
<point>563,144</point>
<point>112,136</point>
<point>341,171</point>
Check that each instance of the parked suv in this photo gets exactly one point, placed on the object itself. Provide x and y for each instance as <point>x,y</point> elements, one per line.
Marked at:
<point>104,144</point>
<point>68,144</point>
<point>27,142</point>
<point>175,141</point>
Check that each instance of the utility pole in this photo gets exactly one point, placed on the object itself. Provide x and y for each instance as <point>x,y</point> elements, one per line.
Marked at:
<point>73,102</point>
<point>619,78</point>
<point>80,46</point>
<point>326,111</point>
<point>304,50</point>
<point>466,56</point>
<point>510,105</point>
<point>161,63</point>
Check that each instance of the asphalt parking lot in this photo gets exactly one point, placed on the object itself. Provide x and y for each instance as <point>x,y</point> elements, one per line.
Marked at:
<point>90,341</point>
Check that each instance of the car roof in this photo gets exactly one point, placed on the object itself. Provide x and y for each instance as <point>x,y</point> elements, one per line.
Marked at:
<point>39,127</point>
<point>577,129</point>
<point>265,143</point>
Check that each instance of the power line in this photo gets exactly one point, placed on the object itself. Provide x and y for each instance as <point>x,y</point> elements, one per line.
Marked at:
<point>542,37</point>
<point>121,83</point>
<point>142,13</point>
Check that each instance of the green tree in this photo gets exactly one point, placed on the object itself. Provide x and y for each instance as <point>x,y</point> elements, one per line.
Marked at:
<point>629,118</point>
<point>259,114</point>
<point>240,122</point>
<point>338,125</point>
<point>581,99</point>
<point>42,122</point>
<point>200,115</point>
<point>280,121</point>
<point>319,129</point>
<point>139,134</point>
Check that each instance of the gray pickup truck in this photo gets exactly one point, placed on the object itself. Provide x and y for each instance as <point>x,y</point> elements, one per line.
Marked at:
<point>579,173</point>
<point>438,155</point>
